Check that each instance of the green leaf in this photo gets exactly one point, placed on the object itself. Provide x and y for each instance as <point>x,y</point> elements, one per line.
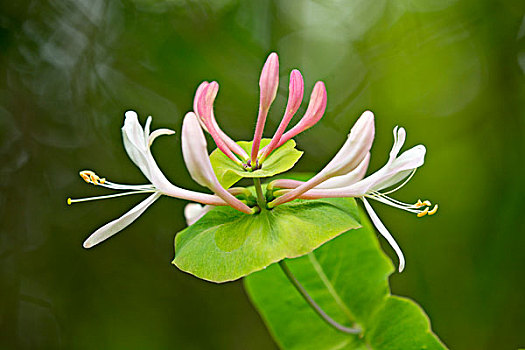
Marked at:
<point>226,244</point>
<point>279,161</point>
<point>348,278</point>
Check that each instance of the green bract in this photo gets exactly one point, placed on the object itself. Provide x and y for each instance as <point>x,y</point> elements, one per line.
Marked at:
<point>226,244</point>
<point>348,278</point>
<point>279,161</point>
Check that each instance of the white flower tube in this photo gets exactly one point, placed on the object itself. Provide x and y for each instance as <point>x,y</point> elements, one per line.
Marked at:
<point>197,161</point>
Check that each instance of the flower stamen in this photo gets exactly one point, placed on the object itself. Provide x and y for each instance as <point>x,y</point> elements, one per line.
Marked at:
<point>420,208</point>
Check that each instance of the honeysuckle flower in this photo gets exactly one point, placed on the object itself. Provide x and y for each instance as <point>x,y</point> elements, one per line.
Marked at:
<point>343,176</point>
<point>354,150</point>
<point>398,168</point>
<point>137,142</point>
<point>197,161</point>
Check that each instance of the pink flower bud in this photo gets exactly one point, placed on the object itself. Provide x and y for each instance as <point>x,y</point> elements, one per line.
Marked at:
<point>269,81</point>
<point>204,108</point>
<point>316,106</point>
<point>296,91</point>
<point>314,113</point>
<point>209,119</point>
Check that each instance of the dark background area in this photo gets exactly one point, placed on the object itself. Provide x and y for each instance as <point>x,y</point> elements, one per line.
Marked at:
<point>450,71</point>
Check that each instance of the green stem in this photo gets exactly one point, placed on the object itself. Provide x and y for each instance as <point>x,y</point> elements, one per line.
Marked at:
<point>261,200</point>
<point>311,302</point>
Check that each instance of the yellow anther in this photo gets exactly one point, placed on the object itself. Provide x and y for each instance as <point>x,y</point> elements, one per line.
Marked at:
<point>69,201</point>
<point>92,178</point>
<point>419,204</point>
<point>423,213</point>
<point>427,203</point>
<point>85,174</point>
<point>434,210</point>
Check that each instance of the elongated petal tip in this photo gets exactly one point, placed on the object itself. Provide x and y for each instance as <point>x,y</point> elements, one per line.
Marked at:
<point>211,92</point>
<point>197,98</point>
<point>206,98</point>
<point>296,93</point>
<point>269,80</point>
<point>365,120</point>
<point>317,105</point>
<point>131,114</point>
<point>364,129</point>
<point>194,148</point>
<point>367,115</point>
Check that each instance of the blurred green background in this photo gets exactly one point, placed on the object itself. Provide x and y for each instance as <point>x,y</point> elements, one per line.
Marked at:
<point>450,71</point>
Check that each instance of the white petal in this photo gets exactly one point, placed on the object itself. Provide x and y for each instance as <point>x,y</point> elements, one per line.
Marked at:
<point>384,232</point>
<point>194,211</point>
<point>399,140</point>
<point>400,168</point>
<point>157,133</point>
<point>147,127</point>
<point>133,130</point>
<point>395,179</point>
<point>410,159</point>
<point>135,142</point>
<point>348,179</point>
<point>195,152</point>
<point>136,155</point>
<point>355,148</point>
<point>121,223</point>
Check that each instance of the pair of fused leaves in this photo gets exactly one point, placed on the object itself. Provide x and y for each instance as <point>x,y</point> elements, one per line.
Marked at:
<point>226,244</point>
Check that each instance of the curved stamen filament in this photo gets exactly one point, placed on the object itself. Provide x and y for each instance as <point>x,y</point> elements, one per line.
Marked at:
<point>77,200</point>
<point>417,205</point>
